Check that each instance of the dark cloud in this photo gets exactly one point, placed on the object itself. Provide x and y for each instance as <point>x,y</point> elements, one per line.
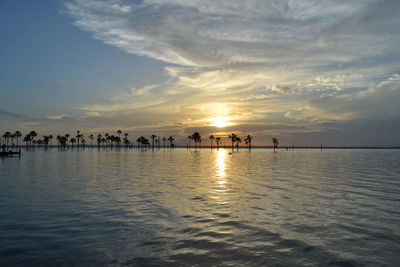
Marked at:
<point>10,114</point>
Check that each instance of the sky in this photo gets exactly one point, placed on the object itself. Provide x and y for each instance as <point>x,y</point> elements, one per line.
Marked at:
<point>308,72</point>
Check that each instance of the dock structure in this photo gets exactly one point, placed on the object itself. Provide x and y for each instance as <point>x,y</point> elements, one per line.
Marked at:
<point>10,153</point>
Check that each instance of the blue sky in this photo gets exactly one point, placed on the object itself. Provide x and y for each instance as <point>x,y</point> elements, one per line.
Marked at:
<point>309,72</point>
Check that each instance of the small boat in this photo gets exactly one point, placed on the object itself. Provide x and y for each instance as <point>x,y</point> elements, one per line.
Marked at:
<point>10,153</point>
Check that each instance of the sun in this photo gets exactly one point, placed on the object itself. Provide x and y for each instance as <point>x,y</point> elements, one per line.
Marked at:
<point>221,121</point>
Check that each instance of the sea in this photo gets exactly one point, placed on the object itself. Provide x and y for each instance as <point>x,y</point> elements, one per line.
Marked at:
<point>203,207</point>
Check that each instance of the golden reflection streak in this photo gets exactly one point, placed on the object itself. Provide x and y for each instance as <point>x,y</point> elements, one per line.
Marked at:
<point>220,166</point>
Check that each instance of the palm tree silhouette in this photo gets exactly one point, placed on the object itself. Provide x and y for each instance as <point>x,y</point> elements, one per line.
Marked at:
<point>119,132</point>
<point>218,141</point>
<point>126,141</point>
<point>46,140</point>
<point>164,139</point>
<point>17,135</point>
<point>238,140</point>
<point>196,138</point>
<point>6,136</point>
<point>107,137</point>
<point>73,141</point>
<point>211,140</point>
<point>143,142</point>
<point>233,138</point>
<point>276,143</point>
<point>171,141</point>
<point>248,141</point>
<point>32,135</point>
<point>78,137</point>
<point>26,139</point>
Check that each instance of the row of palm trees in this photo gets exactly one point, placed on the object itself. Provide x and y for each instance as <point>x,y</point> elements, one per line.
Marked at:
<point>234,138</point>
<point>121,140</point>
<point>79,141</point>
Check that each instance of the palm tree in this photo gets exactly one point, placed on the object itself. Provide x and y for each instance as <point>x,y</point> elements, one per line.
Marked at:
<point>143,142</point>
<point>26,140</point>
<point>99,140</point>
<point>32,135</point>
<point>73,141</point>
<point>126,141</point>
<point>211,140</point>
<point>248,140</point>
<point>78,137</point>
<point>12,141</point>
<point>164,139</point>
<point>196,138</point>
<point>218,141</point>
<point>7,136</point>
<point>152,140</point>
<point>119,132</point>
<point>46,140</point>
<point>238,140</point>
<point>17,135</point>
<point>171,141</point>
<point>276,143</point>
<point>233,138</point>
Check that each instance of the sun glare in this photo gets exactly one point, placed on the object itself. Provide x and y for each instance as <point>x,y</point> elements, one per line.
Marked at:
<point>221,121</point>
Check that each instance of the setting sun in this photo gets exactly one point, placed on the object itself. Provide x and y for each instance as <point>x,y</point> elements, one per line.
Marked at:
<point>221,121</point>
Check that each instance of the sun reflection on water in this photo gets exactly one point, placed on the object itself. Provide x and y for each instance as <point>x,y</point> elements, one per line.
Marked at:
<point>220,167</point>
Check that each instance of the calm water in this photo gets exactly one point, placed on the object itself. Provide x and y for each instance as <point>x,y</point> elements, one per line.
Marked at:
<point>179,208</point>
